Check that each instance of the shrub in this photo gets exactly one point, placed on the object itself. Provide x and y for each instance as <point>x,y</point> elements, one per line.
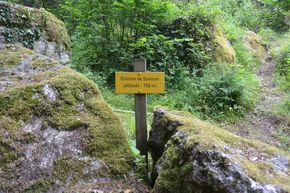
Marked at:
<point>180,49</point>
<point>222,93</point>
<point>106,29</point>
<point>228,92</point>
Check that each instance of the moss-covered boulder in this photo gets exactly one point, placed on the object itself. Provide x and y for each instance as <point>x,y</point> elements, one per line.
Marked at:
<point>194,156</point>
<point>222,51</point>
<point>35,29</point>
<point>55,128</point>
<point>254,45</point>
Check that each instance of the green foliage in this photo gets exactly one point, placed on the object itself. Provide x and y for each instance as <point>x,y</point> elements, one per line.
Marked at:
<point>282,60</point>
<point>107,35</point>
<point>283,109</point>
<point>282,113</point>
<point>283,136</point>
<point>105,29</point>
<point>253,15</point>
<point>128,121</point>
<point>180,54</point>
<point>247,59</point>
<point>222,93</point>
<point>108,39</point>
<point>269,39</point>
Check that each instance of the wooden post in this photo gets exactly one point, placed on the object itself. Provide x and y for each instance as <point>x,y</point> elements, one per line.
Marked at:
<point>141,112</point>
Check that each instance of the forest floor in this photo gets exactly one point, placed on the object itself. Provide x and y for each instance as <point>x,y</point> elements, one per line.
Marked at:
<point>129,184</point>
<point>262,123</point>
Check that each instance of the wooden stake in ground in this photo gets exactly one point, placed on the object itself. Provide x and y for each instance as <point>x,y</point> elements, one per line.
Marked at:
<point>140,83</point>
<point>141,112</point>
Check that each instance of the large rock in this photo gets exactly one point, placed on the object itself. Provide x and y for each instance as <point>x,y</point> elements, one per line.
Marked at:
<point>194,156</point>
<point>253,44</point>
<point>55,127</point>
<point>35,29</point>
<point>56,131</point>
<point>222,51</point>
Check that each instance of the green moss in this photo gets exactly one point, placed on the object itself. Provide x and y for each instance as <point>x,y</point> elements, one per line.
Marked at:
<point>20,104</point>
<point>7,123</point>
<point>39,186</point>
<point>211,136</point>
<point>12,57</point>
<point>67,167</point>
<point>22,17</point>
<point>18,20</point>
<point>8,153</point>
<point>29,137</point>
<point>8,134</point>
<point>106,140</point>
<point>166,180</point>
<point>38,63</point>
<point>42,76</point>
<point>78,104</point>
<point>98,118</point>
<point>266,173</point>
<point>56,31</point>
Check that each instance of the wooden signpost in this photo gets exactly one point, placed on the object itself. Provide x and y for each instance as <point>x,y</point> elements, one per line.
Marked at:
<point>140,83</point>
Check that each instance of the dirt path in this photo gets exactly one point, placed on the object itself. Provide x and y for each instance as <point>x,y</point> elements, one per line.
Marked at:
<point>260,123</point>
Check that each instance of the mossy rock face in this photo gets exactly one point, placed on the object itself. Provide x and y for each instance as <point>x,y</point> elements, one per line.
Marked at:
<point>35,29</point>
<point>254,44</point>
<point>55,127</point>
<point>209,159</point>
<point>222,51</point>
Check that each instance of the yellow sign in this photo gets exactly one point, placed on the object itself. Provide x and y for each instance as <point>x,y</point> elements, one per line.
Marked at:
<point>139,82</point>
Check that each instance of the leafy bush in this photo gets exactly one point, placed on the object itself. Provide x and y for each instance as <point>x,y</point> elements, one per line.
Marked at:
<point>222,93</point>
<point>227,93</point>
<point>191,40</point>
<point>106,30</point>
<point>180,49</point>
